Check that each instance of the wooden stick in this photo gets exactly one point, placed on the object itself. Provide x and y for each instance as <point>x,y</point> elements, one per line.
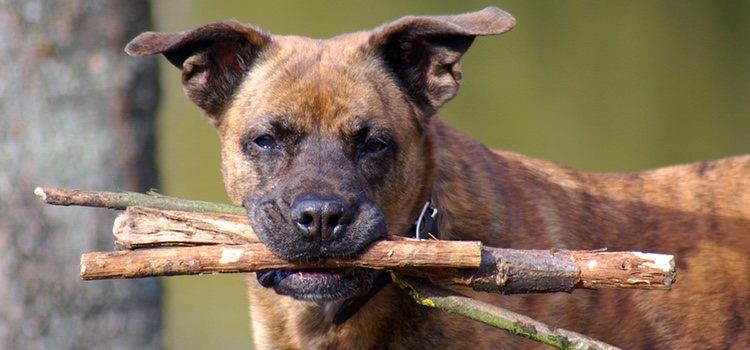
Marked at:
<point>122,200</point>
<point>252,257</point>
<point>140,227</point>
<point>511,271</point>
<point>625,270</point>
<point>450,301</point>
<point>501,270</point>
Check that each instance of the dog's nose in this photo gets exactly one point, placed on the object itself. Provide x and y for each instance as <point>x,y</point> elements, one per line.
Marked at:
<point>320,217</point>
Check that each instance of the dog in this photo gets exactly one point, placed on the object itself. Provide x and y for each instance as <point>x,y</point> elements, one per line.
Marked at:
<point>332,144</point>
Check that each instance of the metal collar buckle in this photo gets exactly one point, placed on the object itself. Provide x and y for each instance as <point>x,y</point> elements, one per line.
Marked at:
<point>425,223</point>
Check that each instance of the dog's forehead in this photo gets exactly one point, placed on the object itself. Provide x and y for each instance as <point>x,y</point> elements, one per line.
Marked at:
<point>342,41</point>
<point>317,83</point>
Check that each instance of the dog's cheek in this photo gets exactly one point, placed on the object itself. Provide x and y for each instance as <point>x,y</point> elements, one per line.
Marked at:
<point>370,226</point>
<point>378,170</point>
<point>265,218</point>
<point>237,180</point>
<point>243,177</point>
<point>406,188</point>
<point>248,174</point>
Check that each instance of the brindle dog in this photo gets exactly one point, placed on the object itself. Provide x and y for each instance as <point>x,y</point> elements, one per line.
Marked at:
<point>331,144</point>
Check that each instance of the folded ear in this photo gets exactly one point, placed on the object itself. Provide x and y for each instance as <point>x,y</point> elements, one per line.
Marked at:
<point>424,52</point>
<point>214,58</point>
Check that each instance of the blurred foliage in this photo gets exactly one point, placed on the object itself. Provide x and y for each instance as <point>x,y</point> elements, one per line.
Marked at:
<point>601,86</point>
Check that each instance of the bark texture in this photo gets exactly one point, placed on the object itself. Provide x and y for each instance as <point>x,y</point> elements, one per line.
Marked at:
<point>74,111</point>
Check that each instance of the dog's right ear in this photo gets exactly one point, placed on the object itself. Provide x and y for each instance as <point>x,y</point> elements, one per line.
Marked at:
<point>214,58</point>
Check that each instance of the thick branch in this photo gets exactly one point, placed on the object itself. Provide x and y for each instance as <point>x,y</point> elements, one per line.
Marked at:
<point>446,300</point>
<point>501,270</point>
<point>252,257</point>
<point>510,271</point>
<point>141,227</point>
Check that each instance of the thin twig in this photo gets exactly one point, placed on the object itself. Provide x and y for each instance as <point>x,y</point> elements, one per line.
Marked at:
<point>449,301</point>
<point>122,200</point>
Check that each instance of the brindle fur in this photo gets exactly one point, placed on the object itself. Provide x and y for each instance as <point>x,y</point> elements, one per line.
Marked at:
<point>323,98</point>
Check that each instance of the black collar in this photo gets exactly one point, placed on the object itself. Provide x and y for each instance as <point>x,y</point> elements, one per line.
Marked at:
<point>424,226</point>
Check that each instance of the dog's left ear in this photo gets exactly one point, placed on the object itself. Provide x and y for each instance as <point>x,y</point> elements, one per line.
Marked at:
<point>424,52</point>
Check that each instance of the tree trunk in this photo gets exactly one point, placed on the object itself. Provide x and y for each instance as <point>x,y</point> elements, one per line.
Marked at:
<point>74,111</point>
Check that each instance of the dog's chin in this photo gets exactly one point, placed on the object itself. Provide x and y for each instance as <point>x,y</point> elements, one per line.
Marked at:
<point>319,286</point>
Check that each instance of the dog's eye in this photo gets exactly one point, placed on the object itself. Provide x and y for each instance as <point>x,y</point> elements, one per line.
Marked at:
<point>374,146</point>
<point>265,141</point>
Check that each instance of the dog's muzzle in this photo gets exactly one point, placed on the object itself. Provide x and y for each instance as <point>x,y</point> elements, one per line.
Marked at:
<point>316,227</point>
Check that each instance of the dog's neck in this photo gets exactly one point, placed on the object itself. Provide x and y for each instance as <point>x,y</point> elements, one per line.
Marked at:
<point>534,204</point>
<point>538,204</point>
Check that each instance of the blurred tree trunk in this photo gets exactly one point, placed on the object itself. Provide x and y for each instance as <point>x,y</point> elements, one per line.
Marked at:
<point>75,111</point>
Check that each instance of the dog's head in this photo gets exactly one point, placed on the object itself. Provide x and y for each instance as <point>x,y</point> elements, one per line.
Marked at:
<point>323,141</point>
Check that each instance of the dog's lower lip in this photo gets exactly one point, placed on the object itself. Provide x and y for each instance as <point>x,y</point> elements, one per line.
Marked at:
<point>319,273</point>
<point>317,285</point>
<point>317,276</point>
<point>273,277</point>
<point>314,274</point>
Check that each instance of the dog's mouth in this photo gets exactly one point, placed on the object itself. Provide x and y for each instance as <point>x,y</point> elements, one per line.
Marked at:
<point>311,228</point>
<point>320,285</point>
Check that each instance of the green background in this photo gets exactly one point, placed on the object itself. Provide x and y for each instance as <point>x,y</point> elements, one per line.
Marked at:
<point>601,86</point>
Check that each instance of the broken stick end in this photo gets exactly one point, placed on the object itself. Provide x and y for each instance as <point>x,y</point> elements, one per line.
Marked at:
<point>83,270</point>
<point>41,193</point>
